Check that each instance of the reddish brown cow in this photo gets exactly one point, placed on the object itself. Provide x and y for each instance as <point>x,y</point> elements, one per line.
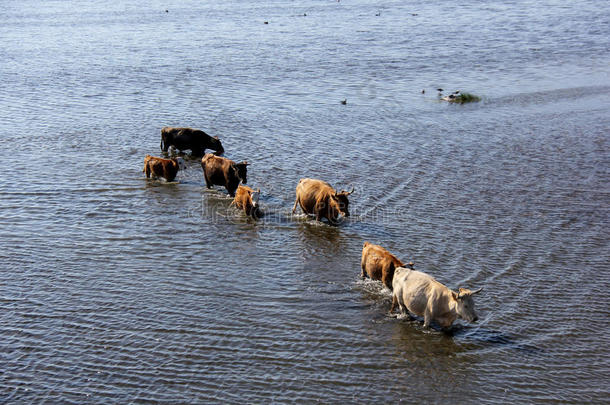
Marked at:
<point>317,197</point>
<point>223,172</point>
<point>379,264</point>
<point>159,167</point>
<point>246,199</point>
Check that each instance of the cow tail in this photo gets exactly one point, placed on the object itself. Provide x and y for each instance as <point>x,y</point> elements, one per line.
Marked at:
<point>162,144</point>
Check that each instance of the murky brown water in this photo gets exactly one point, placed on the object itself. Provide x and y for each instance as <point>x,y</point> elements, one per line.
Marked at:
<point>115,289</point>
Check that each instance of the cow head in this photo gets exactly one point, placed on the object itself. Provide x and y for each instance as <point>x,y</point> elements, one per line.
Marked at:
<point>217,146</point>
<point>180,162</point>
<point>241,170</point>
<point>343,201</point>
<point>254,196</point>
<point>255,212</point>
<point>465,304</point>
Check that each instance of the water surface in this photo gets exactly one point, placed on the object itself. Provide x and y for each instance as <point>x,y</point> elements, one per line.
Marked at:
<point>118,289</point>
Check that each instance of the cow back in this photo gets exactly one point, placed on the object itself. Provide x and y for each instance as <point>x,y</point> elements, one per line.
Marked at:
<point>379,264</point>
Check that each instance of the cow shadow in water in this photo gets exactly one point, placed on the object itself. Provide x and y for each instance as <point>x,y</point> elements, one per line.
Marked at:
<point>321,240</point>
<point>470,335</point>
<point>188,156</point>
<point>489,337</point>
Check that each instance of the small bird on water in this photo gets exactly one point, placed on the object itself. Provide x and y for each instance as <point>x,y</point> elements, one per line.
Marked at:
<point>344,101</point>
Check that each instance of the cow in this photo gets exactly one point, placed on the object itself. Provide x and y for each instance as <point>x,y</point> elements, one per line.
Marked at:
<point>318,198</point>
<point>246,199</point>
<point>379,264</point>
<point>422,295</point>
<point>223,172</point>
<point>188,138</point>
<point>159,167</point>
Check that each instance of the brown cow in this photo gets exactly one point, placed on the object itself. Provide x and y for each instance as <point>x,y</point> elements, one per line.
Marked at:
<point>379,264</point>
<point>223,172</point>
<point>246,199</point>
<point>317,197</point>
<point>420,294</point>
<point>166,168</point>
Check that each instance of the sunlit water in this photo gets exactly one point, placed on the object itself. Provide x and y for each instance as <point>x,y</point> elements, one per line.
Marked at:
<point>118,289</point>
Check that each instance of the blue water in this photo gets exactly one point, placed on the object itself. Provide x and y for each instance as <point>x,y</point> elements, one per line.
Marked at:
<point>116,289</point>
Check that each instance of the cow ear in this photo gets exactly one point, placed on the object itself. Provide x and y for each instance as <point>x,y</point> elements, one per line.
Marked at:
<point>455,295</point>
<point>216,138</point>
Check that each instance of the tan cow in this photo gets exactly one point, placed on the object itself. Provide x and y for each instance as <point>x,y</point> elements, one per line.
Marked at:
<point>379,264</point>
<point>422,295</point>
<point>223,172</point>
<point>317,197</point>
<point>246,199</point>
<point>166,168</point>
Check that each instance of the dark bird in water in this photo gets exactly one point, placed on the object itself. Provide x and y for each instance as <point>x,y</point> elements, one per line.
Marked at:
<point>344,101</point>
<point>167,11</point>
<point>423,92</point>
<point>266,22</point>
<point>304,14</point>
<point>378,14</point>
<point>439,90</point>
<point>456,92</point>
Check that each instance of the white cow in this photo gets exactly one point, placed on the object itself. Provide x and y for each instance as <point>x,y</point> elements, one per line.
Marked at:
<point>422,295</point>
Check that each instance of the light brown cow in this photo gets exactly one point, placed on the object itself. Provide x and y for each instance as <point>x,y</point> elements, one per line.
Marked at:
<point>422,295</point>
<point>166,168</point>
<point>246,199</point>
<point>223,172</point>
<point>317,197</point>
<point>379,264</point>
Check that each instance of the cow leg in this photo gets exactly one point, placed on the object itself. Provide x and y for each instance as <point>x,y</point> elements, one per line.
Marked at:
<point>427,318</point>
<point>147,170</point>
<point>294,208</point>
<point>208,183</point>
<point>385,275</point>
<point>394,303</point>
<point>363,266</point>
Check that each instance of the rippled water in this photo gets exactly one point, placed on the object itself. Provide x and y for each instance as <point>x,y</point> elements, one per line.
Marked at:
<point>118,289</point>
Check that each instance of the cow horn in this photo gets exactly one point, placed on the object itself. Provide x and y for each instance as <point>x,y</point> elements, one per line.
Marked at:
<point>477,291</point>
<point>350,192</point>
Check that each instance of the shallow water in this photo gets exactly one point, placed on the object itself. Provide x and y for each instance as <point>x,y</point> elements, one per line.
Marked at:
<point>118,289</point>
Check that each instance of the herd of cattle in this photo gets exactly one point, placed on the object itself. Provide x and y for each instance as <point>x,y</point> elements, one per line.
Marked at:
<point>413,292</point>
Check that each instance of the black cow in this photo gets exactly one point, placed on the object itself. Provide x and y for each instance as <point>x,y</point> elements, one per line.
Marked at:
<point>188,138</point>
